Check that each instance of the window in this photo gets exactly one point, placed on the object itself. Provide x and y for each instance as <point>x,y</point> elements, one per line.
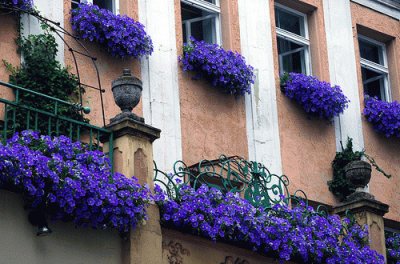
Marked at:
<point>292,39</point>
<point>200,19</point>
<point>375,74</point>
<point>112,5</point>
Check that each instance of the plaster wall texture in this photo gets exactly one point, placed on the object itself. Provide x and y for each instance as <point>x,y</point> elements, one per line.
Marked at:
<point>385,151</point>
<point>8,52</point>
<point>109,67</point>
<point>261,105</point>
<point>212,123</point>
<point>160,81</point>
<point>19,243</point>
<point>307,144</point>
<point>185,248</point>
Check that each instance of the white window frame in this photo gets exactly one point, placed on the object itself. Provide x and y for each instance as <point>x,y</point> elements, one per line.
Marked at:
<point>378,68</point>
<point>115,4</point>
<point>209,7</point>
<point>301,40</point>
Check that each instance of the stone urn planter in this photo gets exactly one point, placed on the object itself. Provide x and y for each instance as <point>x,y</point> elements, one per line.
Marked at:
<point>358,172</point>
<point>127,91</point>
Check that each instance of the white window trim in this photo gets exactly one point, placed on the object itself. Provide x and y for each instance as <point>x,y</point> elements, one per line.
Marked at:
<point>209,7</point>
<point>287,35</point>
<point>379,68</point>
<point>115,4</point>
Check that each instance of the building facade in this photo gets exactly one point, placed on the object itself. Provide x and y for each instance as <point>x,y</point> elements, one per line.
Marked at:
<point>351,43</point>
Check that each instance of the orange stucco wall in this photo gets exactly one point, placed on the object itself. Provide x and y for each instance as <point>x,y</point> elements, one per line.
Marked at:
<point>109,68</point>
<point>8,51</point>
<point>212,123</point>
<point>308,146</point>
<point>385,151</point>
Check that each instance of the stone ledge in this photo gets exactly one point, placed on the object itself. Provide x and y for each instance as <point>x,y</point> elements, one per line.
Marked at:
<point>127,126</point>
<point>360,205</point>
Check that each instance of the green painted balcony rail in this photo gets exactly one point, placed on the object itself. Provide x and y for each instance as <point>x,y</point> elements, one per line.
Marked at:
<point>47,122</point>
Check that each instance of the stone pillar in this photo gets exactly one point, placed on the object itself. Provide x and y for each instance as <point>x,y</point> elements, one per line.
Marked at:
<point>370,212</point>
<point>133,155</point>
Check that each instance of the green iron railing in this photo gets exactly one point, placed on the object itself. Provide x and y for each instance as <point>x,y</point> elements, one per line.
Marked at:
<point>49,123</point>
<point>249,179</point>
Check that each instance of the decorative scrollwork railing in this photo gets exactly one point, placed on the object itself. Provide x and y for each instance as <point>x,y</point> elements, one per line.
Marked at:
<point>249,179</point>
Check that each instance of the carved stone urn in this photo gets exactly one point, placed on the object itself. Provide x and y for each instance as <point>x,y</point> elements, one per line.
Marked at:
<point>358,172</point>
<point>127,91</point>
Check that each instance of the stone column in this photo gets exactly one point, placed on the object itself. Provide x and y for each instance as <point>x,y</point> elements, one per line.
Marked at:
<point>370,212</point>
<point>133,155</point>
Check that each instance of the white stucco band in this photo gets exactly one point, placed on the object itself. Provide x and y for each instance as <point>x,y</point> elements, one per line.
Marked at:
<point>160,80</point>
<point>261,105</point>
<point>52,10</point>
<point>342,69</point>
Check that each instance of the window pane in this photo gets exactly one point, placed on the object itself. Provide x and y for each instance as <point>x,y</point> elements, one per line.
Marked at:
<point>106,4</point>
<point>291,56</point>
<point>210,1</point>
<point>201,24</point>
<point>374,83</point>
<point>370,52</point>
<point>74,4</point>
<point>289,22</point>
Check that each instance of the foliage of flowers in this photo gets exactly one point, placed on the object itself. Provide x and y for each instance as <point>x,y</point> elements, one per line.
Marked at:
<point>226,70</point>
<point>384,116</point>
<point>340,186</point>
<point>316,97</point>
<point>70,182</point>
<point>121,35</point>
<point>393,247</point>
<point>21,4</point>
<point>298,234</point>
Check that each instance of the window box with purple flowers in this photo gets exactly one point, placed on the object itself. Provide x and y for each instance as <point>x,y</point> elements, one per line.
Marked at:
<point>299,234</point>
<point>121,36</point>
<point>318,98</point>
<point>225,70</point>
<point>384,116</point>
<point>66,181</point>
<point>18,4</point>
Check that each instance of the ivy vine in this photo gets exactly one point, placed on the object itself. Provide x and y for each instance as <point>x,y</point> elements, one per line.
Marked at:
<point>41,72</point>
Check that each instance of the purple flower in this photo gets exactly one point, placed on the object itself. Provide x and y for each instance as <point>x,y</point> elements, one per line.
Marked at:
<point>121,36</point>
<point>393,247</point>
<point>21,4</point>
<point>71,182</point>
<point>226,70</point>
<point>316,97</point>
<point>290,234</point>
<point>384,116</point>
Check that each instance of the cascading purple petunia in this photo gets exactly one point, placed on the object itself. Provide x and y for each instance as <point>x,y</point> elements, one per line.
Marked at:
<point>298,234</point>
<point>316,97</point>
<point>120,35</point>
<point>393,247</point>
<point>384,116</point>
<point>71,182</point>
<point>226,70</point>
<point>21,4</point>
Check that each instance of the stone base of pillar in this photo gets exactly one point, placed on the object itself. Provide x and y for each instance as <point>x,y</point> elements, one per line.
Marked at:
<point>370,212</point>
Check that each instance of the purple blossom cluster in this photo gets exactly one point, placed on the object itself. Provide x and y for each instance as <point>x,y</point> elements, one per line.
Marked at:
<point>299,234</point>
<point>384,116</point>
<point>21,4</point>
<point>226,70</point>
<point>393,248</point>
<point>121,35</point>
<point>70,182</point>
<point>316,97</point>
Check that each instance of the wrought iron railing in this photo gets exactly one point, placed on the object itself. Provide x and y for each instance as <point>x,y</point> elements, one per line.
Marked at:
<point>249,179</point>
<point>19,116</point>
